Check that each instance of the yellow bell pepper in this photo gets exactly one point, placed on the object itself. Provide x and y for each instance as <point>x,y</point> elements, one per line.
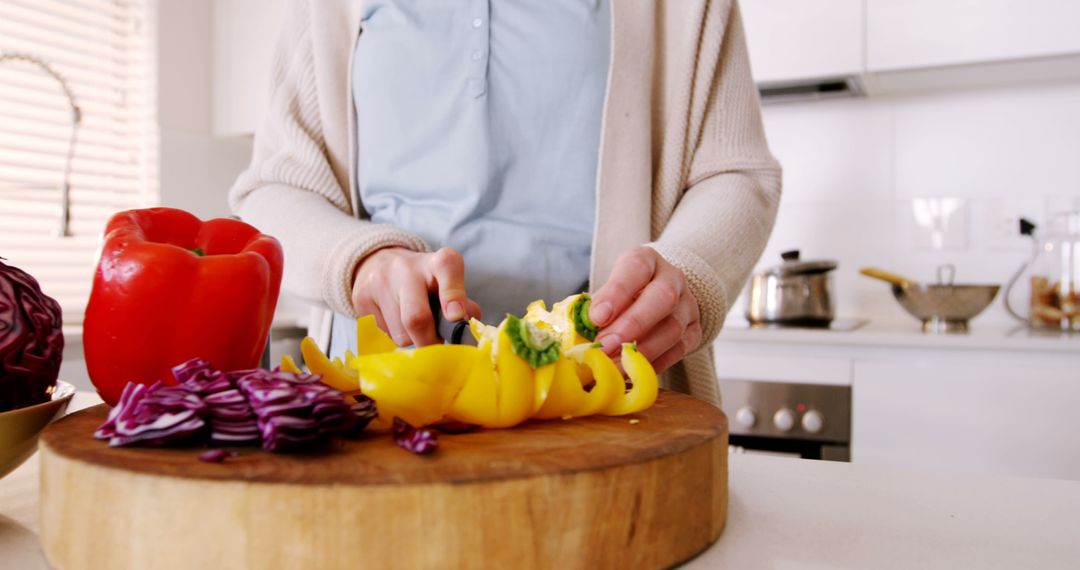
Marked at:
<point>515,378</point>
<point>289,365</point>
<point>492,385</point>
<point>565,395</point>
<point>478,401</point>
<point>334,373</point>
<point>370,339</point>
<point>417,385</point>
<point>558,390</point>
<point>499,391</point>
<point>560,320</point>
<point>644,387</point>
<point>609,382</point>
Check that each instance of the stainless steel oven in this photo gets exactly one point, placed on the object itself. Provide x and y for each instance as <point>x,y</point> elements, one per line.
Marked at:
<point>811,421</point>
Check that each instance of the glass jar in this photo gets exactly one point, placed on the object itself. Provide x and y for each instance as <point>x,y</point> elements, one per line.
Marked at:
<point>1054,301</point>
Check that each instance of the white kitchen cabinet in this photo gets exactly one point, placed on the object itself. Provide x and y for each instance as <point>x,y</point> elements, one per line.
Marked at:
<point>799,40</point>
<point>930,33</point>
<point>244,35</point>
<point>973,414</point>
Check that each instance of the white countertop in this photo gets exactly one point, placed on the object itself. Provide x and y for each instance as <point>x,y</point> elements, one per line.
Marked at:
<point>788,514</point>
<point>908,334</point>
<point>795,514</point>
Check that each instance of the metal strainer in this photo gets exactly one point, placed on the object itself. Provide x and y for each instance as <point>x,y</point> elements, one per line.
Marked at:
<point>944,307</point>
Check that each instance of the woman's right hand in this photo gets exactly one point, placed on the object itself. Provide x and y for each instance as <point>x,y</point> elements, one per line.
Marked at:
<point>394,283</point>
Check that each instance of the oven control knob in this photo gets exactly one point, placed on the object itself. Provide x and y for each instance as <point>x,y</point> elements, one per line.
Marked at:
<point>746,417</point>
<point>784,419</point>
<point>813,421</point>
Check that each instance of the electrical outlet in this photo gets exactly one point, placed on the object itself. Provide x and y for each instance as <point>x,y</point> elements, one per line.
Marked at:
<point>999,221</point>
<point>1057,205</point>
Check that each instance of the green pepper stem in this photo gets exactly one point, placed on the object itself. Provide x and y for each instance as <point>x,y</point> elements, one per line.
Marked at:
<point>580,315</point>
<point>530,343</point>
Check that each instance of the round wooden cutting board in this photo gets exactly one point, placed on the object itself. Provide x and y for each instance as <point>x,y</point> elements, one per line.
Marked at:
<point>594,492</point>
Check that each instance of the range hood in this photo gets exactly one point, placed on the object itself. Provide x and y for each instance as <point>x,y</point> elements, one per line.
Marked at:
<point>811,90</point>
<point>977,75</point>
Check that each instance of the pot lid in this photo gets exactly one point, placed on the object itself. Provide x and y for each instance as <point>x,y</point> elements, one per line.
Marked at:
<point>792,265</point>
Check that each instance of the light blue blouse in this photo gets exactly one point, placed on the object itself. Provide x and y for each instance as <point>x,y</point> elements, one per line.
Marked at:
<point>479,129</point>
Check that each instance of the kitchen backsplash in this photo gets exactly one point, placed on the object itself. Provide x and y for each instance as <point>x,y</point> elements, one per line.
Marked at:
<point>860,172</point>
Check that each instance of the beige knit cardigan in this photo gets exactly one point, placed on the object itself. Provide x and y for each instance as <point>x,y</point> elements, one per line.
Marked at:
<point>684,166</point>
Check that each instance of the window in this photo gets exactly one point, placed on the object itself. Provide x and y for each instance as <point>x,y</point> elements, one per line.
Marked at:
<point>103,51</point>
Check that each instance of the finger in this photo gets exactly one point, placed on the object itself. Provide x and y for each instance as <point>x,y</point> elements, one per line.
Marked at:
<point>686,310</point>
<point>669,358</point>
<point>691,338</point>
<point>367,306</point>
<point>661,338</point>
<point>447,270</point>
<point>657,301</point>
<point>695,309</point>
<point>473,309</point>
<point>416,315</point>
<point>632,272</point>
<point>390,315</point>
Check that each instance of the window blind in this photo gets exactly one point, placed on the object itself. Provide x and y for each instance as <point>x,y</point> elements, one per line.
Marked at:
<point>104,50</point>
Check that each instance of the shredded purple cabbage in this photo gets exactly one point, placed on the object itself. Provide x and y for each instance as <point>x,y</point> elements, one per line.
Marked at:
<point>229,414</point>
<point>418,441</point>
<point>365,411</point>
<point>294,410</point>
<point>153,415</point>
<point>281,410</point>
<point>216,455</point>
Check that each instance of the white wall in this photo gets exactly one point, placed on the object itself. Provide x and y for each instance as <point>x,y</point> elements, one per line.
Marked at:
<point>197,168</point>
<point>852,168</point>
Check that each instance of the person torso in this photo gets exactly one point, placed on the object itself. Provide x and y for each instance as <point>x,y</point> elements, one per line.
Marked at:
<point>478,126</point>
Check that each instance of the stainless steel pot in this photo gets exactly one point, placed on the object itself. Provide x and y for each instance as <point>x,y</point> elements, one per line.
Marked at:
<point>794,293</point>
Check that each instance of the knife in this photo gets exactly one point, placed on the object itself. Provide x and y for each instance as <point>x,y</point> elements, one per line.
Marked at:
<point>452,332</point>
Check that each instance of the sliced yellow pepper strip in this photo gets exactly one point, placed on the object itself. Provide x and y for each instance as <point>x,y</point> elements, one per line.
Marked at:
<point>334,373</point>
<point>485,335</point>
<point>609,383</point>
<point>418,385</point>
<point>543,378</point>
<point>515,378</point>
<point>564,393</point>
<point>370,339</point>
<point>499,392</point>
<point>289,365</point>
<point>643,392</point>
<point>478,401</point>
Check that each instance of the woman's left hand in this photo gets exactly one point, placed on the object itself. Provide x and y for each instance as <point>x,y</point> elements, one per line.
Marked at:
<point>648,300</point>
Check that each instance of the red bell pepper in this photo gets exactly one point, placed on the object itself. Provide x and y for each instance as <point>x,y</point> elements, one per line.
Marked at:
<point>170,287</point>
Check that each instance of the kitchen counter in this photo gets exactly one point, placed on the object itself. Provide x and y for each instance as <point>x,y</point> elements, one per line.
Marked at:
<point>793,514</point>
<point>800,514</point>
<point>908,334</point>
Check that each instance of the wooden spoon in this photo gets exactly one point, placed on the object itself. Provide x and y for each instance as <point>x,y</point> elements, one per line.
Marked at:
<point>899,281</point>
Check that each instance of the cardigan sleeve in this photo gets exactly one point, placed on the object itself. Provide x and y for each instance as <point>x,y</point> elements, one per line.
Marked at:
<point>290,190</point>
<point>723,219</point>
